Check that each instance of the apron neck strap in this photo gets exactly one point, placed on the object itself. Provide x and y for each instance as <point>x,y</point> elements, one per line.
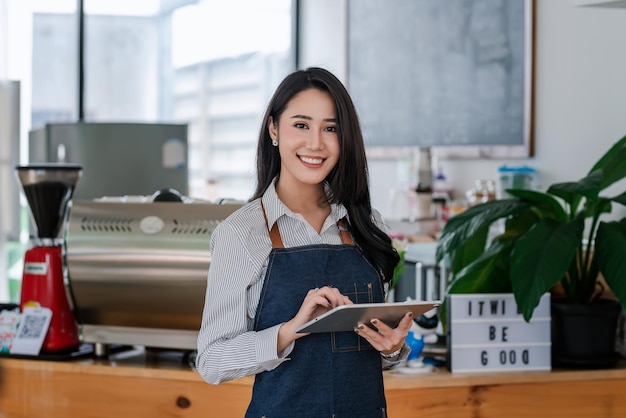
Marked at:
<point>346,238</point>
<point>277,241</point>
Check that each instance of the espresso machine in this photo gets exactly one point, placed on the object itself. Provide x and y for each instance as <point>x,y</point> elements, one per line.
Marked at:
<point>49,189</point>
<point>137,268</point>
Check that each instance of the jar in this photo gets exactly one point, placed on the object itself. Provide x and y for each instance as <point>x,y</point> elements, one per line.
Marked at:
<point>483,191</point>
<point>516,178</point>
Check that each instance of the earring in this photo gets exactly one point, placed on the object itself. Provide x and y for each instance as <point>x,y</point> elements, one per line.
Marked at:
<point>274,142</point>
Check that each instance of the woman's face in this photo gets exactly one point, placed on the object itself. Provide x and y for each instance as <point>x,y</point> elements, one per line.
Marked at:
<point>307,138</point>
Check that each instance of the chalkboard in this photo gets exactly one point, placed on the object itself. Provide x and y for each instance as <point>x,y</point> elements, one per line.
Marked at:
<point>438,73</point>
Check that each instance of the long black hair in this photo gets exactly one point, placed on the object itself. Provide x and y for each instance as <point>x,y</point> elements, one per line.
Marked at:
<point>348,182</point>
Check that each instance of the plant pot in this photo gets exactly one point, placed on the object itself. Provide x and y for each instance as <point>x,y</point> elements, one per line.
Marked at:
<point>583,336</point>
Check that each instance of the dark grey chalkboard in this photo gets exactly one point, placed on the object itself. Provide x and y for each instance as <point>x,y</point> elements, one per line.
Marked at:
<point>440,72</point>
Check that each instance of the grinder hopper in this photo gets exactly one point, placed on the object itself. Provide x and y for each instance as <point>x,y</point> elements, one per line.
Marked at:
<point>48,189</point>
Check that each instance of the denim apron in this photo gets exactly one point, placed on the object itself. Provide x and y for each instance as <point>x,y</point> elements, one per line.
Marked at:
<point>330,375</point>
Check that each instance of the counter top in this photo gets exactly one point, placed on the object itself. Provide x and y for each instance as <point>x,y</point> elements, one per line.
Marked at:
<point>159,364</point>
<point>137,383</point>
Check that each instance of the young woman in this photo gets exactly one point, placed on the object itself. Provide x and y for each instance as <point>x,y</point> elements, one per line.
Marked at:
<point>308,241</point>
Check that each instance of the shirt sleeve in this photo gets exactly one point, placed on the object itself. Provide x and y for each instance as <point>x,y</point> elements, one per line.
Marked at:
<point>395,362</point>
<point>228,348</point>
<point>378,220</point>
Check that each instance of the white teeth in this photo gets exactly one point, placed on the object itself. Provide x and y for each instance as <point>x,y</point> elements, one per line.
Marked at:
<point>311,160</point>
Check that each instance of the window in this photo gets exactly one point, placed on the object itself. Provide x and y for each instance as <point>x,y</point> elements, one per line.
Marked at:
<point>210,64</point>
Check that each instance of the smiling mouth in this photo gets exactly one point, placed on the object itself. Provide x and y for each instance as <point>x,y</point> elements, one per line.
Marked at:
<point>311,160</point>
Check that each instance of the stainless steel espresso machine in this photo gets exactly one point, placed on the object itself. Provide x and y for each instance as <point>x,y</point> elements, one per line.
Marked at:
<point>138,270</point>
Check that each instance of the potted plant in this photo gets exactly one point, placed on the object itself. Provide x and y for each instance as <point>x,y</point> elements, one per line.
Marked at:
<point>547,240</point>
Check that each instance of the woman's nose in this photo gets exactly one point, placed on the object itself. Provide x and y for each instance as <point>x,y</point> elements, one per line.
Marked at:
<point>315,141</point>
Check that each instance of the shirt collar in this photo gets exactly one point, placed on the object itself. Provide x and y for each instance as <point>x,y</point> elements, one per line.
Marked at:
<point>275,208</point>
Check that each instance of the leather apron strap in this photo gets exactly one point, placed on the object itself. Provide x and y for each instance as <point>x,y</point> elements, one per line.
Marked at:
<point>277,241</point>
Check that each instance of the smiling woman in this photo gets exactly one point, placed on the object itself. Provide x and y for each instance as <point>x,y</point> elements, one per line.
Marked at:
<point>313,243</point>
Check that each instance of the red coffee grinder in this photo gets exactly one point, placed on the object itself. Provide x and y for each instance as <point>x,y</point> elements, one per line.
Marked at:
<point>48,189</point>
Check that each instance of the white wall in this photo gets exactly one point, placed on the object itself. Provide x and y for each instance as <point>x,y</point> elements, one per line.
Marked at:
<point>580,89</point>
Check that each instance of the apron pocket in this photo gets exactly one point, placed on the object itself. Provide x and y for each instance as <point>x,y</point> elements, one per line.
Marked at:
<point>349,341</point>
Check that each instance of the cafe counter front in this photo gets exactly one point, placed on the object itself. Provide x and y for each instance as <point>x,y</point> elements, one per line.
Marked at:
<point>136,384</point>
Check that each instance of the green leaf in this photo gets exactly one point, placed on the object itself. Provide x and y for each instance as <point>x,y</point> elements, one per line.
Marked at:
<point>487,274</point>
<point>610,251</point>
<point>540,259</point>
<point>463,226</point>
<point>615,155</point>
<point>621,198</point>
<point>471,249</point>
<point>520,223</point>
<point>571,192</point>
<point>615,170</point>
<point>398,270</point>
<point>596,207</point>
<point>546,203</point>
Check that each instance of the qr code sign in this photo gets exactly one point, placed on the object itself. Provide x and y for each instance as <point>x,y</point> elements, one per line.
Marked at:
<point>32,330</point>
<point>32,327</point>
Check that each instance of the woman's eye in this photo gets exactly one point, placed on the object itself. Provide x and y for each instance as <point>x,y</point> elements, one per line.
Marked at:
<point>300,125</point>
<point>331,129</point>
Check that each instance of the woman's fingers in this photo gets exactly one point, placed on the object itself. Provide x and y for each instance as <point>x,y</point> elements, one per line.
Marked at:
<point>404,325</point>
<point>385,338</point>
<point>332,295</point>
<point>319,301</point>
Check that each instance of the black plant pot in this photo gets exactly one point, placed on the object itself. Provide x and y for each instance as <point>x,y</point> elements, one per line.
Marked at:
<point>583,336</point>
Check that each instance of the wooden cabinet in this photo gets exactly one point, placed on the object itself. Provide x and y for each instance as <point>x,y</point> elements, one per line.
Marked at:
<point>116,389</point>
<point>137,387</point>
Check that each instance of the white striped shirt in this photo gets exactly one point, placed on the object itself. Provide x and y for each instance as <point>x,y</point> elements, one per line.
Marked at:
<point>228,348</point>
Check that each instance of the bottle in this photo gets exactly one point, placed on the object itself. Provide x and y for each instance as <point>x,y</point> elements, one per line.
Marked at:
<point>441,187</point>
<point>442,196</point>
<point>483,191</point>
<point>424,189</point>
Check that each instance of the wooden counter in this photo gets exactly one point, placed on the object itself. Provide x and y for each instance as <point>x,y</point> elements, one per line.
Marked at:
<point>134,385</point>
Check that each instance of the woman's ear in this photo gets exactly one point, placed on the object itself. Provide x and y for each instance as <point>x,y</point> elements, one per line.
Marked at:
<point>272,128</point>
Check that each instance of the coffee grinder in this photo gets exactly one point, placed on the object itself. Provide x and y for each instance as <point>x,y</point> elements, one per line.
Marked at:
<point>48,189</point>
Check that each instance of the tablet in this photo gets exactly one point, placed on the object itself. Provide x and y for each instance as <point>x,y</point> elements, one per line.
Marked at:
<point>347,317</point>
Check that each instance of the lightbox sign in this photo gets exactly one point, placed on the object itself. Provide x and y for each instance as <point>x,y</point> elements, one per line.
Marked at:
<point>486,333</point>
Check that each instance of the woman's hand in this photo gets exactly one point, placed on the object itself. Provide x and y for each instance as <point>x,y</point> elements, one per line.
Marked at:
<point>384,338</point>
<point>316,302</point>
